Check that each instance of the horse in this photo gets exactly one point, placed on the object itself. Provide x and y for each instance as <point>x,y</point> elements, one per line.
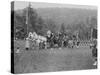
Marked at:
<point>42,42</point>
<point>37,40</point>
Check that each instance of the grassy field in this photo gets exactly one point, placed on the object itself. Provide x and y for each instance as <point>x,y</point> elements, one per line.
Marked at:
<point>52,60</point>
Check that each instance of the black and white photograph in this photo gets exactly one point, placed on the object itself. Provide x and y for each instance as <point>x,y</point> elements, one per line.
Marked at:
<point>52,37</point>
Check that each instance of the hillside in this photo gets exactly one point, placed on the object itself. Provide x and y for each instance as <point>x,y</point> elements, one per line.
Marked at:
<point>66,15</point>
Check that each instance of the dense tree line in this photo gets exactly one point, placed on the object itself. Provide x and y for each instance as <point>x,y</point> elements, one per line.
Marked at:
<point>40,26</point>
<point>35,23</point>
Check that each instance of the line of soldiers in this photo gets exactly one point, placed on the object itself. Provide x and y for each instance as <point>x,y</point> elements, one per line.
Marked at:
<point>94,51</point>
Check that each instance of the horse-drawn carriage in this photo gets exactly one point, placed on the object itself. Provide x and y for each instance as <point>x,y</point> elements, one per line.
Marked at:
<point>51,40</point>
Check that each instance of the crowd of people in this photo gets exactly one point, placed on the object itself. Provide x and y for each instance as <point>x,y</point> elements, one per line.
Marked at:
<point>53,40</point>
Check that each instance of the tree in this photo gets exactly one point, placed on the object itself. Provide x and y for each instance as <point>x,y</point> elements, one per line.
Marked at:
<point>27,21</point>
<point>63,28</point>
<point>51,25</point>
<point>19,28</point>
<point>32,16</point>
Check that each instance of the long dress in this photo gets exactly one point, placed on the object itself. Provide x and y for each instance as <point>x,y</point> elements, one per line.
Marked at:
<point>27,44</point>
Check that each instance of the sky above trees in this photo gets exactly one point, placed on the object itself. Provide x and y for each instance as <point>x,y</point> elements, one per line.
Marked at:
<point>24,4</point>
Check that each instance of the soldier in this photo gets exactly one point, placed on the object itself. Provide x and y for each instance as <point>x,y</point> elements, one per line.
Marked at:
<point>94,52</point>
<point>65,43</point>
<point>48,33</point>
<point>48,37</point>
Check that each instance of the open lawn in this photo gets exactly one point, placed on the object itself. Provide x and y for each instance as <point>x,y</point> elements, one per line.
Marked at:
<point>52,60</point>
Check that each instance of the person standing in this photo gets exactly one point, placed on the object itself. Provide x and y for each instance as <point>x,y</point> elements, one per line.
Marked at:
<point>27,45</point>
<point>94,52</point>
